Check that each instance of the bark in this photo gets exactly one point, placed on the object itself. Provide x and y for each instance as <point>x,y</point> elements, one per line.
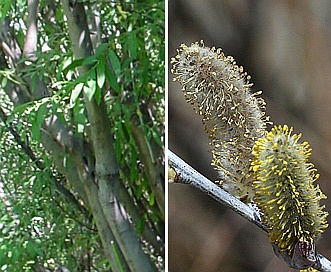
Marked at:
<point>30,45</point>
<point>110,245</point>
<point>9,45</point>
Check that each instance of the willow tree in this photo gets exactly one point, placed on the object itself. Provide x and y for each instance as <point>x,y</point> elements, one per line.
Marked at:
<point>82,133</point>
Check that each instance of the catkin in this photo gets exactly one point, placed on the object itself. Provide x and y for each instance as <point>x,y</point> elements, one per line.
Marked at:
<point>233,116</point>
<point>285,191</point>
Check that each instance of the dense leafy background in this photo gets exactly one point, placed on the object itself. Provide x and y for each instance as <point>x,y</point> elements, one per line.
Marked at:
<point>38,225</point>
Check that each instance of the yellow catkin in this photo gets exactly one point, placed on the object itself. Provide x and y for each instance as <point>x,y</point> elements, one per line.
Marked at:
<point>284,189</point>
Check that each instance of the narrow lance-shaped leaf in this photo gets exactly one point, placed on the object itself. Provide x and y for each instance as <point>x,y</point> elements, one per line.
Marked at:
<point>76,92</point>
<point>101,77</point>
<point>114,62</point>
<point>90,87</point>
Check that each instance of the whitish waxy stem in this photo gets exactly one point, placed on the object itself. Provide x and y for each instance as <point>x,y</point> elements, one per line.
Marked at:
<point>285,191</point>
<point>233,117</point>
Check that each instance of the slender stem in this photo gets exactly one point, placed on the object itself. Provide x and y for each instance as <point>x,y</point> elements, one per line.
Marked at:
<point>185,174</point>
<point>188,175</point>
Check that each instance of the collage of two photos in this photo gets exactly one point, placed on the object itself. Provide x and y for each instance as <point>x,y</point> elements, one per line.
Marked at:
<point>165,135</point>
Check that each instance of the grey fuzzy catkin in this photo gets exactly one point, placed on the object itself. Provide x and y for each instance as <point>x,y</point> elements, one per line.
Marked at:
<point>233,116</point>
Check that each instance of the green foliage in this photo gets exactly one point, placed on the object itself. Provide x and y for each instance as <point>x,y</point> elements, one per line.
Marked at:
<point>4,8</point>
<point>38,225</point>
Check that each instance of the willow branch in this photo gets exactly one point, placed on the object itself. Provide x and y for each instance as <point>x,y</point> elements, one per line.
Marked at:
<point>188,175</point>
<point>185,174</point>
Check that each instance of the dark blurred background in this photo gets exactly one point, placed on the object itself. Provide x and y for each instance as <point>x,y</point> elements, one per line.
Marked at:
<point>285,46</point>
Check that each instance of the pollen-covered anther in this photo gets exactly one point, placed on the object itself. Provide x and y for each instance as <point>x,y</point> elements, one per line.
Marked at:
<point>293,210</point>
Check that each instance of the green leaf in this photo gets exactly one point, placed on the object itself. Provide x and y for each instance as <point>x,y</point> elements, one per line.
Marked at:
<point>76,92</point>
<point>118,260</point>
<point>101,77</point>
<point>58,15</point>
<point>114,62</point>
<point>30,248</point>
<point>33,82</point>
<point>5,6</point>
<point>73,65</point>
<point>89,90</point>
<point>79,117</point>
<point>18,110</point>
<point>151,199</point>
<point>4,82</point>
<point>141,225</point>
<point>90,60</point>
<point>139,191</point>
<point>156,137</point>
<point>132,44</point>
<point>35,131</point>
<point>101,49</point>
<point>97,95</point>
<point>112,81</point>
<point>162,52</point>
<point>79,112</point>
<point>41,113</point>
<point>6,229</point>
